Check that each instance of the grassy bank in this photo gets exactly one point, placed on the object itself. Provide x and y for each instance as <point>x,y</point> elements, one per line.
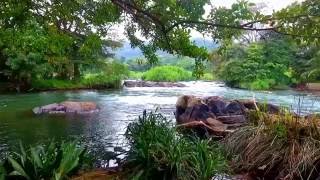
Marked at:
<point>89,81</point>
<point>168,74</point>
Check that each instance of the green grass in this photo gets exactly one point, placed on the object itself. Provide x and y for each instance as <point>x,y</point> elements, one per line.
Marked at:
<point>168,73</point>
<point>158,151</point>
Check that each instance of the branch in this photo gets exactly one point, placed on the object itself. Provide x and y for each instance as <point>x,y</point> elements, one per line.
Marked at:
<point>240,27</point>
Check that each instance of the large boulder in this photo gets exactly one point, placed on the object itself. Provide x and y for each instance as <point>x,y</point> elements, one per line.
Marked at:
<point>67,107</point>
<point>215,114</point>
<point>136,83</point>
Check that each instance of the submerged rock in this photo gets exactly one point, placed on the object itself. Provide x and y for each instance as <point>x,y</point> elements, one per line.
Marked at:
<point>215,114</point>
<point>134,83</point>
<point>67,107</point>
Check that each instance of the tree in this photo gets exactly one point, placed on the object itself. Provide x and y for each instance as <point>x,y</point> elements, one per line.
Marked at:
<point>74,30</point>
<point>261,65</point>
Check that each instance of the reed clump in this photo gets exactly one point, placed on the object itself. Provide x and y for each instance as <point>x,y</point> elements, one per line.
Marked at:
<point>276,146</point>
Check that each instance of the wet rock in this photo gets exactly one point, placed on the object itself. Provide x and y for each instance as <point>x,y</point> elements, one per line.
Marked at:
<point>216,105</point>
<point>234,107</point>
<point>132,83</point>
<point>215,114</point>
<point>67,107</point>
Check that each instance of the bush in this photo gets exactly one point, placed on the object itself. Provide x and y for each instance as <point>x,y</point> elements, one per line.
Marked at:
<point>208,77</point>
<point>159,152</point>
<point>109,75</point>
<point>136,75</point>
<point>167,73</point>
<point>53,161</point>
<point>280,146</point>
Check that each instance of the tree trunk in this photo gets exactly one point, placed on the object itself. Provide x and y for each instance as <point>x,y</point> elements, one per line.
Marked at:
<point>76,71</point>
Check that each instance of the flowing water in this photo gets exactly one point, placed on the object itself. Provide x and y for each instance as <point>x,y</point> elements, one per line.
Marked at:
<point>103,132</point>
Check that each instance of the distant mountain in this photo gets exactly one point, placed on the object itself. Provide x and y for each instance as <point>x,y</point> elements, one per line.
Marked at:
<point>128,52</point>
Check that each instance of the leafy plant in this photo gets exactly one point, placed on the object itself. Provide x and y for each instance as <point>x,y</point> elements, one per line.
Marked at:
<point>52,161</point>
<point>159,152</point>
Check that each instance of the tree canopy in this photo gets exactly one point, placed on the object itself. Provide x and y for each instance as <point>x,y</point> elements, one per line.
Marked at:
<point>56,38</point>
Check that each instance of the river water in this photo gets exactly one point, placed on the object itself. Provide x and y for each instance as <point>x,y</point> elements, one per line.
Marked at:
<point>103,132</point>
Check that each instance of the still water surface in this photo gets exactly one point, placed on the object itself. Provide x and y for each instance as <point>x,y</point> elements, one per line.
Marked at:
<point>103,132</point>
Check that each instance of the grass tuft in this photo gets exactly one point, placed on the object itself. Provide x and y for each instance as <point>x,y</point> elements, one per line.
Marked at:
<point>276,146</point>
<point>159,152</point>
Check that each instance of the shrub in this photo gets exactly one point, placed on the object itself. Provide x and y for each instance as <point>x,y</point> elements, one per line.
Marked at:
<point>53,161</point>
<point>282,146</point>
<point>136,75</point>
<point>168,73</point>
<point>159,152</point>
<point>208,77</point>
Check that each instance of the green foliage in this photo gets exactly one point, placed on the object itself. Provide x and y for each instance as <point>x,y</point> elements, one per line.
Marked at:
<point>300,20</point>
<point>262,65</point>
<point>208,77</point>
<point>136,75</point>
<point>52,161</point>
<point>108,75</point>
<point>57,40</point>
<point>159,152</point>
<point>167,73</point>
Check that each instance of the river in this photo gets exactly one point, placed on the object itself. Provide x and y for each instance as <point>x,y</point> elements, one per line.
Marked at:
<point>103,132</point>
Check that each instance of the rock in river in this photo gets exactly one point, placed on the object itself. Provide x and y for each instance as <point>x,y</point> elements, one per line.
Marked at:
<point>134,83</point>
<point>215,114</point>
<point>67,107</point>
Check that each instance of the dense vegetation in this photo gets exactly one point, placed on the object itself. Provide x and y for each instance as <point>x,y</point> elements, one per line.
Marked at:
<point>168,68</point>
<point>61,41</point>
<point>259,65</point>
<point>108,75</point>
<point>167,73</point>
